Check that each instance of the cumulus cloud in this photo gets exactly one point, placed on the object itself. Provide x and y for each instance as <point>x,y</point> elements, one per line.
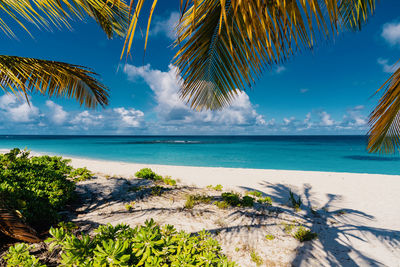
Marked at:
<point>130,117</point>
<point>326,119</point>
<point>167,26</point>
<point>57,114</point>
<point>171,110</point>
<point>391,33</point>
<point>386,66</point>
<point>17,109</point>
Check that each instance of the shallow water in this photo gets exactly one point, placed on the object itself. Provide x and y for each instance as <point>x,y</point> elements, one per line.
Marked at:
<point>312,153</point>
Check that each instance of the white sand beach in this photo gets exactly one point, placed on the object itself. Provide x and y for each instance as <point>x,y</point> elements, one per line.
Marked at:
<point>356,216</point>
<point>367,234</point>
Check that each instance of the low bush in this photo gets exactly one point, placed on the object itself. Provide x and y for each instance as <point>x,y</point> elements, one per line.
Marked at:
<point>146,245</point>
<point>221,204</point>
<point>254,193</point>
<point>19,255</point>
<point>265,200</point>
<point>256,258</point>
<point>233,199</point>
<point>192,200</point>
<point>169,181</point>
<point>81,174</point>
<point>269,237</point>
<point>302,234</point>
<point>157,190</point>
<point>147,173</point>
<point>218,187</point>
<point>247,201</point>
<point>37,187</point>
<point>296,203</point>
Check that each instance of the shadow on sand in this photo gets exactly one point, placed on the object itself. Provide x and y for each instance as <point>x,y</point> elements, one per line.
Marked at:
<point>335,229</point>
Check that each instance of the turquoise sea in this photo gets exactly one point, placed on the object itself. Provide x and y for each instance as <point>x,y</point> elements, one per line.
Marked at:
<point>312,153</point>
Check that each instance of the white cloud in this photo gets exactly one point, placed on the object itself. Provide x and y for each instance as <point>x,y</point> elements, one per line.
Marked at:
<point>391,33</point>
<point>326,119</point>
<point>86,120</point>
<point>171,110</point>
<point>57,114</point>
<point>130,117</point>
<point>17,110</point>
<point>166,26</point>
<point>388,68</point>
<point>304,90</point>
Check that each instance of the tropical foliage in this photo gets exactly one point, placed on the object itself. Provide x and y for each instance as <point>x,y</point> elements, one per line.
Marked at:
<point>21,75</point>
<point>33,190</point>
<point>120,245</point>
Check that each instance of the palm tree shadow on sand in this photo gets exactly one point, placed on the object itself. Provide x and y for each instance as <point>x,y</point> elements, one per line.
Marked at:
<point>335,228</point>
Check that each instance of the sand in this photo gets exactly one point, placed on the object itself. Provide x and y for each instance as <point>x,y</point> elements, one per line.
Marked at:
<point>356,216</point>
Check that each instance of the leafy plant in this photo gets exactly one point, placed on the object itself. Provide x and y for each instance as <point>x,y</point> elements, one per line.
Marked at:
<point>302,234</point>
<point>130,206</point>
<point>254,193</point>
<point>147,173</point>
<point>218,187</point>
<point>265,200</point>
<point>146,245</point>
<point>256,258</point>
<point>19,255</point>
<point>247,201</point>
<point>81,174</point>
<point>37,187</point>
<point>221,204</point>
<point>233,199</point>
<point>288,228</point>
<point>296,203</point>
<point>192,200</point>
<point>157,190</point>
<point>269,237</point>
<point>169,181</point>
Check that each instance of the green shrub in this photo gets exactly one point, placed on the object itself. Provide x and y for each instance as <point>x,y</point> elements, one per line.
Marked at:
<point>256,258</point>
<point>81,174</point>
<point>221,204</point>
<point>192,200</point>
<point>19,255</point>
<point>265,200</point>
<point>269,237</point>
<point>296,203</point>
<point>147,173</point>
<point>233,199</point>
<point>302,234</point>
<point>157,190</point>
<point>35,186</point>
<point>254,193</point>
<point>247,201</point>
<point>218,187</point>
<point>168,181</point>
<point>146,245</point>
<point>130,206</point>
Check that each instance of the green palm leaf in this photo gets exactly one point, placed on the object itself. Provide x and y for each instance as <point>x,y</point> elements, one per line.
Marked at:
<point>384,135</point>
<point>111,15</point>
<point>27,75</point>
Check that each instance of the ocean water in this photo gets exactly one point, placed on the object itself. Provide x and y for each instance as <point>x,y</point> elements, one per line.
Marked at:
<point>312,153</point>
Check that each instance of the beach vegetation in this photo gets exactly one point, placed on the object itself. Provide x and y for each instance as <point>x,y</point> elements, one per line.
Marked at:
<point>296,203</point>
<point>269,237</point>
<point>157,190</point>
<point>36,188</point>
<point>169,181</point>
<point>80,174</point>
<point>145,245</point>
<point>265,200</point>
<point>147,173</point>
<point>67,226</point>
<point>218,187</point>
<point>288,227</point>
<point>192,200</point>
<point>130,206</point>
<point>254,193</point>
<point>303,234</point>
<point>221,204</point>
<point>256,258</point>
<point>19,255</point>
<point>247,201</point>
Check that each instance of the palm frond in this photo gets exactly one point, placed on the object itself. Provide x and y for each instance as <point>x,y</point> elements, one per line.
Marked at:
<point>13,226</point>
<point>226,44</point>
<point>27,75</point>
<point>111,15</point>
<point>384,135</point>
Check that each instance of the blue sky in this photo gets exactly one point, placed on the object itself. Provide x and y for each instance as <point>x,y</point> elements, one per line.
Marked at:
<point>324,91</point>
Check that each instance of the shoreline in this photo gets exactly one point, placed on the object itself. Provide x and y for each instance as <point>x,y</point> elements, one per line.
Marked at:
<point>67,156</point>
